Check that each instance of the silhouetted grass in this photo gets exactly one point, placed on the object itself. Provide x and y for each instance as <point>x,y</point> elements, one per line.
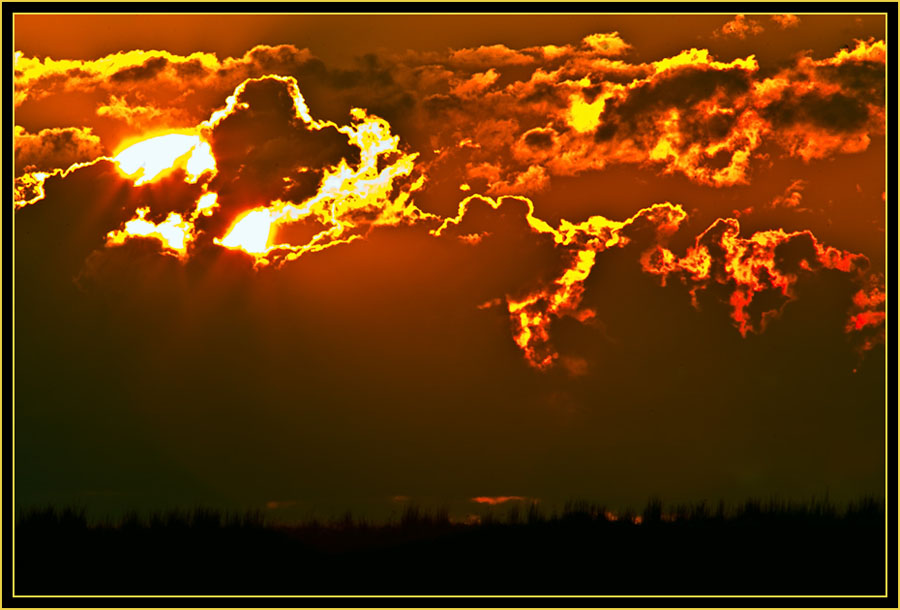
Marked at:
<point>757,548</point>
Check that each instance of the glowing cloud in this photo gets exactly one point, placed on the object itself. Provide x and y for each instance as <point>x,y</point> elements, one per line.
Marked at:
<point>532,315</point>
<point>867,316</point>
<point>146,160</point>
<point>29,188</point>
<point>350,198</point>
<point>755,265</point>
<point>174,233</point>
<point>377,188</point>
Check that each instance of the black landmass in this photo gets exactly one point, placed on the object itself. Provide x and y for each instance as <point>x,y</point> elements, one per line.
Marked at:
<point>757,549</point>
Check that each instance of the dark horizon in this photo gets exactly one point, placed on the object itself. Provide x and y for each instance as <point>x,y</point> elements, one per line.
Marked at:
<point>760,549</point>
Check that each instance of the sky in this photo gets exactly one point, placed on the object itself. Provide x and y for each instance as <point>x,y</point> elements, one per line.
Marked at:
<point>315,263</point>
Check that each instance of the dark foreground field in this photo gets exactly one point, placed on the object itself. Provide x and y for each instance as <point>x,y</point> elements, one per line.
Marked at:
<point>757,549</point>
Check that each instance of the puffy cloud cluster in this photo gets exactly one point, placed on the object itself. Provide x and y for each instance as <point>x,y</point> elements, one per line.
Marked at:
<point>740,27</point>
<point>532,113</point>
<point>273,166</point>
<point>139,86</point>
<point>867,314</point>
<point>786,21</point>
<point>54,148</point>
<point>263,176</point>
<point>819,108</point>
<point>579,110</point>
<point>758,274</point>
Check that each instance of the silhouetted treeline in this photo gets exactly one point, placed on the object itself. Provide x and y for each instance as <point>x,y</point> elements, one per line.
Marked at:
<point>757,549</point>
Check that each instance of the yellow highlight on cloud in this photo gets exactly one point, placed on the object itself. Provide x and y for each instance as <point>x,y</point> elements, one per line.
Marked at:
<point>174,232</point>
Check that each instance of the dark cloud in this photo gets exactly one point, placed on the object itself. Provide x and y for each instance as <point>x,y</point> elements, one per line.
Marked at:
<point>835,113</point>
<point>148,69</point>
<point>541,139</point>
<point>682,90</point>
<point>54,148</point>
<point>861,79</point>
<point>189,69</point>
<point>257,147</point>
<point>438,105</point>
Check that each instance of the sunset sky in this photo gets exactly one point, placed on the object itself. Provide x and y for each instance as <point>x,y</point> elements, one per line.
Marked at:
<point>308,264</point>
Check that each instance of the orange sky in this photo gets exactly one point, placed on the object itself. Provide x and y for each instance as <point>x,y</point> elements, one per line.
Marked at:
<point>448,257</point>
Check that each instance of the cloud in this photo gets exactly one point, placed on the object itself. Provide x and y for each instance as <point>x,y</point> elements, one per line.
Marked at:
<point>867,314</point>
<point>791,197</point>
<point>532,180</point>
<point>569,109</point>
<point>739,27</point>
<point>54,148</point>
<point>415,303</point>
<point>786,21</point>
<point>759,273</point>
<point>492,56</point>
<point>274,167</point>
<point>607,44</point>
<point>688,114</point>
<point>494,500</point>
<point>532,314</point>
<point>285,183</point>
<point>476,84</point>
<point>138,115</point>
<point>149,89</point>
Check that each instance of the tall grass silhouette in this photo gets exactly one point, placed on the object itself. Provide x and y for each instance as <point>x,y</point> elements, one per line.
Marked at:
<point>757,548</point>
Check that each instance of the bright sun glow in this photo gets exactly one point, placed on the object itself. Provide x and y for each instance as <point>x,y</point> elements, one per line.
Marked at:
<point>149,158</point>
<point>250,233</point>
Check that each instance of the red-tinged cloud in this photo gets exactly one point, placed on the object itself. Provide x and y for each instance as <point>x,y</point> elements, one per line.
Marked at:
<point>759,273</point>
<point>867,314</point>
